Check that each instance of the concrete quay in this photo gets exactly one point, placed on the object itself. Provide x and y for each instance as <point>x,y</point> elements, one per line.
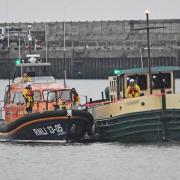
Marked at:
<point>93,49</point>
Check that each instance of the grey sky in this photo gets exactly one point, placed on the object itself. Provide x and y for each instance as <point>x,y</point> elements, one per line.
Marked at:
<point>82,10</point>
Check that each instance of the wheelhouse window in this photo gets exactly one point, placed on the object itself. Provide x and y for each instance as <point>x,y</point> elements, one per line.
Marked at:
<point>161,80</point>
<point>12,96</point>
<point>141,81</point>
<point>18,98</point>
<point>37,96</point>
<point>65,95</point>
<point>9,97</point>
<point>49,95</point>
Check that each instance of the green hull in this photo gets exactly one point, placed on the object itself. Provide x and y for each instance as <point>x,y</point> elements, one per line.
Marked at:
<point>140,127</point>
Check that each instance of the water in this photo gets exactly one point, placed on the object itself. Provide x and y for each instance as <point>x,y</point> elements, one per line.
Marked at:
<point>91,161</point>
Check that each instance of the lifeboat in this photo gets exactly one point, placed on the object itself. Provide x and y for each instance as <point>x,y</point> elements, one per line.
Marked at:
<point>48,121</point>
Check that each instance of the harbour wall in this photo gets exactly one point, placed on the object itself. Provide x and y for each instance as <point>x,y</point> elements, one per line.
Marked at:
<point>93,49</point>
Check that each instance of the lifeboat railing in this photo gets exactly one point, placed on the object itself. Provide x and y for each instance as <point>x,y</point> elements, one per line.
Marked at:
<point>49,101</point>
<point>82,105</point>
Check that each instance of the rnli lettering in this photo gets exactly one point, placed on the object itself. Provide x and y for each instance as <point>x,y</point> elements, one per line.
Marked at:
<point>40,131</point>
<point>51,129</point>
<point>48,130</point>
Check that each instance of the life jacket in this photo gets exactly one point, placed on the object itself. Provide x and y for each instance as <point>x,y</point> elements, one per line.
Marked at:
<point>134,90</point>
<point>76,99</point>
<point>62,106</point>
<point>28,95</point>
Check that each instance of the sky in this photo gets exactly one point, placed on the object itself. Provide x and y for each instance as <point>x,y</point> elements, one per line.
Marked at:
<point>86,10</point>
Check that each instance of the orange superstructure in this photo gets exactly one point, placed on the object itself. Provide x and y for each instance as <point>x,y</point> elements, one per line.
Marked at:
<point>47,96</point>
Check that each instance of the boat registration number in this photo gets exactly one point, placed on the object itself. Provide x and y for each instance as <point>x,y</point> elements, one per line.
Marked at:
<point>48,130</point>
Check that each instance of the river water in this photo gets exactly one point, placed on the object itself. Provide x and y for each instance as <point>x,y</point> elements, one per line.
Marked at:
<point>90,161</point>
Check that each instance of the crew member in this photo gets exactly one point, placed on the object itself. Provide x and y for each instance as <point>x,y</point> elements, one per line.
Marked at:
<point>133,89</point>
<point>75,97</point>
<point>28,97</point>
<point>62,105</point>
<point>25,78</point>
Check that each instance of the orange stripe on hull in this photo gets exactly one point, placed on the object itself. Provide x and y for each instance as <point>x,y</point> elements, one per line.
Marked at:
<point>37,121</point>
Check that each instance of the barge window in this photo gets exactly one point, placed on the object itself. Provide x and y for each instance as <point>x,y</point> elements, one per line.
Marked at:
<point>141,81</point>
<point>110,85</point>
<point>161,80</point>
<point>121,84</point>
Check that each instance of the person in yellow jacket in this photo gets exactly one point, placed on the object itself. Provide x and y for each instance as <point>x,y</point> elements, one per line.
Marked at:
<point>75,97</point>
<point>25,78</point>
<point>28,97</point>
<point>62,105</point>
<point>133,89</point>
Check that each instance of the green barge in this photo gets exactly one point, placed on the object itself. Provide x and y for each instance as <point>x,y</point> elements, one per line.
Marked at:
<point>154,116</point>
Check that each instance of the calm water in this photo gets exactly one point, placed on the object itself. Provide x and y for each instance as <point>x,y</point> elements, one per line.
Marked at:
<point>94,161</point>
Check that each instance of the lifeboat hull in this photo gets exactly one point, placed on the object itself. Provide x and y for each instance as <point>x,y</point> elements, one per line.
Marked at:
<point>65,125</point>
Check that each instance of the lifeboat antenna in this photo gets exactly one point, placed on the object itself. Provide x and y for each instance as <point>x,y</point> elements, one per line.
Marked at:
<point>20,55</point>
<point>8,48</point>
<point>46,41</point>
<point>8,44</point>
<point>64,62</point>
<point>29,38</point>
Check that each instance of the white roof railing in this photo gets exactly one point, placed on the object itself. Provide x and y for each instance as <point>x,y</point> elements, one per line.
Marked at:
<point>33,55</point>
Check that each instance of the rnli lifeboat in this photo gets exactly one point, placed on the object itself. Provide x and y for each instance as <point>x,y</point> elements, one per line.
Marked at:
<point>47,121</point>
